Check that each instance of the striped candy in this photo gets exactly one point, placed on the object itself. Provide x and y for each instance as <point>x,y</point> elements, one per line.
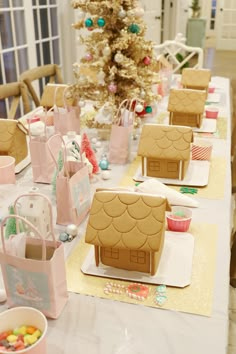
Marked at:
<point>201,152</point>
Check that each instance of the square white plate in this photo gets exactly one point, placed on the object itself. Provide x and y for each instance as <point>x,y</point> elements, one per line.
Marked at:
<point>175,267</point>
<point>197,175</point>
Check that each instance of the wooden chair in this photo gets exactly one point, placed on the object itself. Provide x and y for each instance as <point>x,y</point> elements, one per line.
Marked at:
<point>179,55</point>
<point>50,73</point>
<point>15,93</point>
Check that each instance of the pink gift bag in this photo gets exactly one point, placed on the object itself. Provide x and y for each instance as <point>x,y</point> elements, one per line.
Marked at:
<point>41,160</point>
<point>72,188</point>
<point>121,134</point>
<point>37,279</point>
<point>66,118</point>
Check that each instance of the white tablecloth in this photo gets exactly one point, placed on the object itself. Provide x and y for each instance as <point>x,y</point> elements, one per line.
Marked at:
<point>98,326</point>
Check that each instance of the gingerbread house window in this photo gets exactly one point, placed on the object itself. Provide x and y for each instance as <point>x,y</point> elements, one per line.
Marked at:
<point>111,253</point>
<point>172,166</point>
<point>154,165</point>
<point>138,257</point>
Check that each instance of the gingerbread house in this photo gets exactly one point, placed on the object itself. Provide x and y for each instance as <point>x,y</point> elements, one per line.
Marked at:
<point>197,79</point>
<point>165,150</point>
<point>186,107</point>
<point>127,229</point>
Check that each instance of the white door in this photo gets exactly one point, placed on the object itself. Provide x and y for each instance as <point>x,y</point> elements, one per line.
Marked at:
<point>153,17</point>
<point>182,17</point>
<point>226,25</point>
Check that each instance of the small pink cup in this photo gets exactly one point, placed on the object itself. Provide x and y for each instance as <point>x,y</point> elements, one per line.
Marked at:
<point>212,112</point>
<point>7,170</point>
<point>179,219</point>
<point>211,89</point>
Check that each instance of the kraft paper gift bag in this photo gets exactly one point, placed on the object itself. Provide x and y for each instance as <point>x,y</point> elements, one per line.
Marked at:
<point>38,279</point>
<point>66,118</point>
<point>72,188</point>
<point>121,134</point>
<point>41,160</point>
<point>13,139</point>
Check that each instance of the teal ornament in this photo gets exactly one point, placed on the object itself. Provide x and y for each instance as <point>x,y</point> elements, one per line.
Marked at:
<point>148,109</point>
<point>88,22</point>
<point>134,28</point>
<point>63,236</point>
<point>104,163</point>
<point>101,22</point>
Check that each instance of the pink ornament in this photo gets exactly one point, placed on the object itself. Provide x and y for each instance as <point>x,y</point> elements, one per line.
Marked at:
<point>147,60</point>
<point>88,56</point>
<point>112,87</point>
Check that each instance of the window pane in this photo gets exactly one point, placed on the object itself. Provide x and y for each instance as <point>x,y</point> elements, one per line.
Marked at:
<point>54,24</point>
<point>56,55</point>
<point>19,24</point>
<point>42,2</point>
<point>46,53</point>
<point>1,78</point>
<point>36,27</point>
<point>212,26</point>
<point>34,2</point>
<point>38,54</point>
<point>4,3</point>
<point>53,2</point>
<point>17,3</point>
<point>10,66</point>
<point>44,23</point>
<point>3,111</point>
<point>6,30</point>
<point>23,59</point>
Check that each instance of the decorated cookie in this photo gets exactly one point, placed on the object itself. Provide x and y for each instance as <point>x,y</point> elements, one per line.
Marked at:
<point>137,291</point>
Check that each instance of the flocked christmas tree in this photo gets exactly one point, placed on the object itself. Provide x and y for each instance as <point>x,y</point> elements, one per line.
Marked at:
<point>118,62</point>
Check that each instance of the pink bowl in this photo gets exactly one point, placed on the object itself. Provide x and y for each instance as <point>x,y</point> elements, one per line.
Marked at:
<point>212,112</point>
<point>179,219</point>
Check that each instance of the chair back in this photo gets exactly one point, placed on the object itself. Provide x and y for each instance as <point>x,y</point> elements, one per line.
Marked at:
<point>37,78</point>
<point>13,95</point>
<point>180,55</point>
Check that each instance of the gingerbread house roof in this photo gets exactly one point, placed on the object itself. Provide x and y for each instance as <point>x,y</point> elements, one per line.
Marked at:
<point>126,220</point>
<point>196,77</point>
<point>187,101</point>
<point>165,142</point>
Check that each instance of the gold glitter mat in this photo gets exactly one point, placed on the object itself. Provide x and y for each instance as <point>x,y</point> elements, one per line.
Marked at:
<point>221,127</point>
<point>196,298</point>
<point>216,184</point>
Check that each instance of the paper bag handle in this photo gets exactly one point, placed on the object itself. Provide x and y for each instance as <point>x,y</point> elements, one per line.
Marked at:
<point>128,106</point>
<point>39,109</point>
<point>17,217</point>
<point>51,229</point>
<point>64,98</point>
<point>64,153</point>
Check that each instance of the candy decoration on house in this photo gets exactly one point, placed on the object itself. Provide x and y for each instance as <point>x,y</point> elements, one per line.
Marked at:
<point>120,64</point>
<point>89,152</point>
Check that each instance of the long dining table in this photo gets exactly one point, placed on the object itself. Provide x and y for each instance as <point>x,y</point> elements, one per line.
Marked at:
<point>95,325</point>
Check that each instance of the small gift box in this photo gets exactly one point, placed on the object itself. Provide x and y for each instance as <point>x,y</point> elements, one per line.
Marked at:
<point>212,112</point>
<point>201,150</point>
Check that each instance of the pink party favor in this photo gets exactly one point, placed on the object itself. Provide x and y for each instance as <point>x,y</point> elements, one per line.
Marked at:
<point>7,170</point>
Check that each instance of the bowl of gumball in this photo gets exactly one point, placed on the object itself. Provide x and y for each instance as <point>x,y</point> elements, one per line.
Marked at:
<point>179,219</point>
<point>23,330</point>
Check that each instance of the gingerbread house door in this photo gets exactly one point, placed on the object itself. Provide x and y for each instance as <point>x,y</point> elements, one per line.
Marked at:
<point>163,168</point>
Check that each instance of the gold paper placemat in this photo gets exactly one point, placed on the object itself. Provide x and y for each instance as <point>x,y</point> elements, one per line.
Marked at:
<point>196,298</point>
<point>221,127</point>
<point>216,184</point>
